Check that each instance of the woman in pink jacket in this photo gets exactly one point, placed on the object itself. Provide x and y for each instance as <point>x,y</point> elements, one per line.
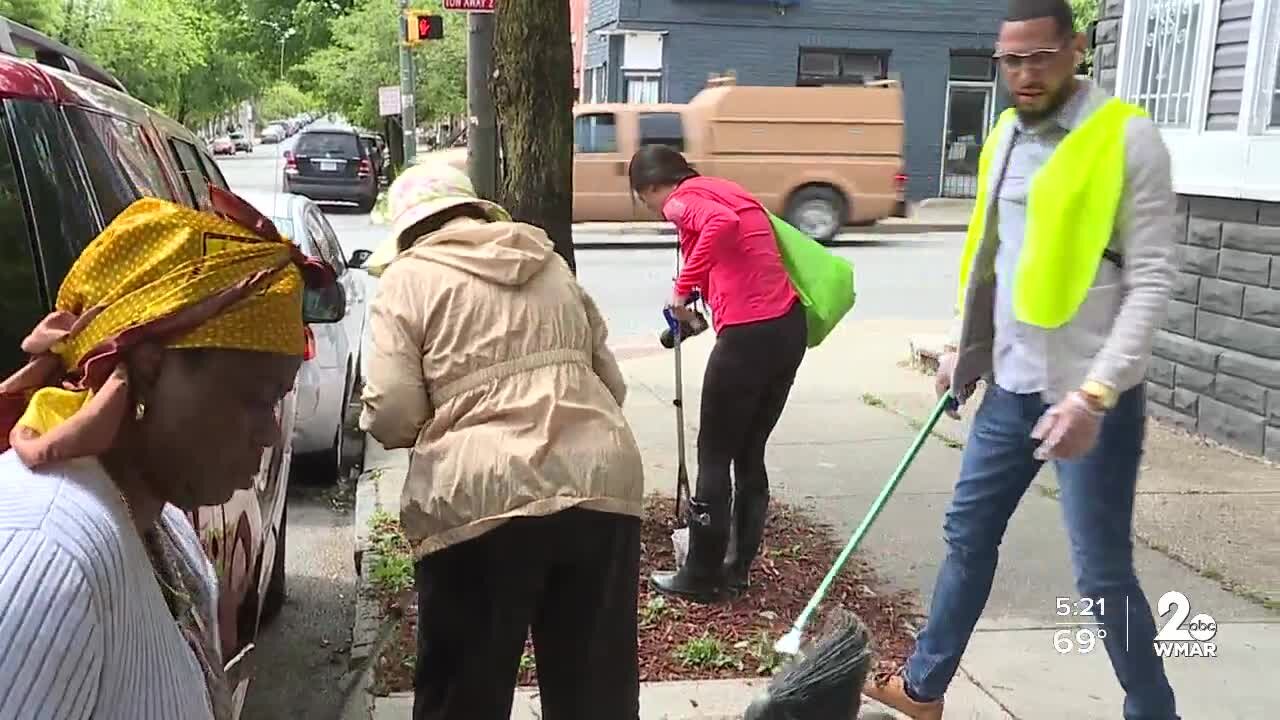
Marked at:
<point>731,257</point>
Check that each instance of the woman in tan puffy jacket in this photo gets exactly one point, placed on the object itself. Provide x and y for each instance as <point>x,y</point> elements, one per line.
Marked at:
<point>524,490</point>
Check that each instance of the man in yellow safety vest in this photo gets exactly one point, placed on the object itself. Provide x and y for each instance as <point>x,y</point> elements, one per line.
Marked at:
<point>1065,278</point>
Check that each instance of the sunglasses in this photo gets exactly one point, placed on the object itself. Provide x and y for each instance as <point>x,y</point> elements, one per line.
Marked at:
<point>1037,59</point>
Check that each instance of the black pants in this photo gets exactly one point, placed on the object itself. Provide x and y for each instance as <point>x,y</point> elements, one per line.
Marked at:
<point>748,379</point>
<point>573,578</point>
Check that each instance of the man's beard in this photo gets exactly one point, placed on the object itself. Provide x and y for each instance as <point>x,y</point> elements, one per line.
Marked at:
<point>1032,117</point>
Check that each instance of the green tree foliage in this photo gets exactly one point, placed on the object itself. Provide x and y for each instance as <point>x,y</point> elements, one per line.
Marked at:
<point>1086,11</point>
<point>43,15</point>
<point>283,99</point>
<point>185,57</point>
<point>364,54</point>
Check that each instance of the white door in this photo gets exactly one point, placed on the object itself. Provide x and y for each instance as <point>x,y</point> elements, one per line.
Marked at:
<point>968,119</point>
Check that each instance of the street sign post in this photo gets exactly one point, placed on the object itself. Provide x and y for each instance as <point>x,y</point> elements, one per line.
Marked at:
<point>389,100</point>
<point>479,6</point>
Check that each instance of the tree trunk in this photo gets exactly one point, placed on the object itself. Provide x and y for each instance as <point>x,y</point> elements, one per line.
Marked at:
<point>533,98</point>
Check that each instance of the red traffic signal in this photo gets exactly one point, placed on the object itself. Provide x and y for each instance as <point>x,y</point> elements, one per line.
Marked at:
<point>424,27</point>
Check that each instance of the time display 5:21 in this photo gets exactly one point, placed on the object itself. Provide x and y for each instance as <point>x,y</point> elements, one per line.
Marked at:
<point>1081,607</point>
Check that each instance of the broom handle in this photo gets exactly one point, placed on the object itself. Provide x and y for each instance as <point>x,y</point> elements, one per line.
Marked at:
<point>947,402</point>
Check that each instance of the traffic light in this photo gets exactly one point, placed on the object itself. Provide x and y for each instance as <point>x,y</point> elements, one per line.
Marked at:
<point>422,26</point>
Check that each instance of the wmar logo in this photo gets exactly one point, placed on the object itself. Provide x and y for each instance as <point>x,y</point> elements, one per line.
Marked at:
<point>1190,640</point>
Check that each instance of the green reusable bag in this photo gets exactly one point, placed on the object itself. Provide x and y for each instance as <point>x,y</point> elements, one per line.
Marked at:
<point>823,280</point>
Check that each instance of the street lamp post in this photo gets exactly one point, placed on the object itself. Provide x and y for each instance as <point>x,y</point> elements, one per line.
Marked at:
<point>285,34</point>
<point>283,38</point>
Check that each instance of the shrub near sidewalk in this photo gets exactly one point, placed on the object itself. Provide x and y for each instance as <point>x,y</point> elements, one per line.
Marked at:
<point>686,641</point>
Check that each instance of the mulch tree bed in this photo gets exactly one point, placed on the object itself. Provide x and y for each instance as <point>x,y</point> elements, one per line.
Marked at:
<point>687,641</point>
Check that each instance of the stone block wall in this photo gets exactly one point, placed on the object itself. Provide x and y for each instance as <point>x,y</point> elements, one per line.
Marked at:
<point>1216,363</point>
<point>1106,44</point>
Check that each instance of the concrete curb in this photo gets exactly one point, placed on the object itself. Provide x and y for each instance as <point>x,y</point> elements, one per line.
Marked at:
<point>681,700</point>
<point>370,630</point>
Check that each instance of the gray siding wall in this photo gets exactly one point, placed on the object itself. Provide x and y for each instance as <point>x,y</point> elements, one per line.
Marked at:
<point>762,46</point>
<point>1231,50</point>
<point>1216,365</point>
<point>601,15</point>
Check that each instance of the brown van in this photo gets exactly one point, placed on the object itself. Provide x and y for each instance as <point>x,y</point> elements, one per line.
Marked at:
<point>822,157</point>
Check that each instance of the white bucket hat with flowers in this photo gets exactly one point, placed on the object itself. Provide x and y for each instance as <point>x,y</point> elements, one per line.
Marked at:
<point>421,191</point>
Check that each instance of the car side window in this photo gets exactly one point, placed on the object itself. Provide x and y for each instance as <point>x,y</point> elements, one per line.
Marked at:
<point>213,172</point>
<point>661,129</point>
<point>22,303</point>
<point>192,171</point>
<point>122,165</point>
<point>59,196</point>
<point>596,133</point>
<point>325,241</point>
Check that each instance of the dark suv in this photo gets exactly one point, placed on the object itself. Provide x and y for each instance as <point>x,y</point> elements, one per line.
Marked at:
<point>76,150</point>
<point>331,164</point>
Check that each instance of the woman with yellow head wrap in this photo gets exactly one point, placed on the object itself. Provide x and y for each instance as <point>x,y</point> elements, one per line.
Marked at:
<point>151,390</point>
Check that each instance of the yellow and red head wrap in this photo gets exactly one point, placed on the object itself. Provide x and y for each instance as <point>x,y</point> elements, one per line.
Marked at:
<point>163,273</point>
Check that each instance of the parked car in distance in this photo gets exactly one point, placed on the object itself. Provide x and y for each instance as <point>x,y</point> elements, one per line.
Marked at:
<point>242,142</point>
<point>75,150</point>
<point>331,164</point>
<point>328,380</point>
<point>222,146</point>
<point>377,151</point>
<point>273,134</point>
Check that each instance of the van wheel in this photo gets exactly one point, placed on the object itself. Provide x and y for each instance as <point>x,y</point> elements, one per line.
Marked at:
<point>818,211</point>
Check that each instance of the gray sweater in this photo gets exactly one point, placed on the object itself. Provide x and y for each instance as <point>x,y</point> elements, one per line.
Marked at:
<point>1109,339</point>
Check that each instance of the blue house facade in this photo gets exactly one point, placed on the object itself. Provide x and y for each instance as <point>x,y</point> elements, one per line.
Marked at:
<point>939,50</point>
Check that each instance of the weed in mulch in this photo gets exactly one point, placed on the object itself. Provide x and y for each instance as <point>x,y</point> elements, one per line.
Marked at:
<point>687,641</point>
<point>391,583</point>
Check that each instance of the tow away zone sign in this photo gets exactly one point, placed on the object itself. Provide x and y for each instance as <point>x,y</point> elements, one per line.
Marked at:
<point>470,5</point>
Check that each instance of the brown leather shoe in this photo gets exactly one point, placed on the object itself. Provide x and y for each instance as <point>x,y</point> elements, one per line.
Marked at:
<point>892,691</point>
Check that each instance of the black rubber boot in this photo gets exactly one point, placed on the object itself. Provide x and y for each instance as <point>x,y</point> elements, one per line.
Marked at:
<point>701,578</point>
<point>750,512</point>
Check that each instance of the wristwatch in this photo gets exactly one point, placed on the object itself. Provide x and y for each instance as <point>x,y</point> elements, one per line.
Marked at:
<point>1099,395</point>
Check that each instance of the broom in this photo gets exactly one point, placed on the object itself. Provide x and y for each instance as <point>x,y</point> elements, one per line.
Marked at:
<point>826,682</point>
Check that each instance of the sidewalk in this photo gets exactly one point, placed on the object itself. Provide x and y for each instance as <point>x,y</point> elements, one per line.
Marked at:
<point>845,429</point>
<point>836,445</point>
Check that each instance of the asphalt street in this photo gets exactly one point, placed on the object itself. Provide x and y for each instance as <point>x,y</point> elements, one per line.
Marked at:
<point>908,277</point>
<point>898,276</point>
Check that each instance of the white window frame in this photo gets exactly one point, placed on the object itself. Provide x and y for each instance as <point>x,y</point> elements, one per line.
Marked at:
<point>1239,163</point>
<point>643,76</point>
<point>1201,54</point>
<point>1261,71</point>
<point>640,65</point>
<point>599,80</point>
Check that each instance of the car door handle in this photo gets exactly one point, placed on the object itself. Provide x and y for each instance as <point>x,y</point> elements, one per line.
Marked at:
<point>620,168</point>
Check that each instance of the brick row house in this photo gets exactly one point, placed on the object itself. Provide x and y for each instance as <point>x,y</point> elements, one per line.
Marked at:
<point>1208,73</point>
<point>940,50</point>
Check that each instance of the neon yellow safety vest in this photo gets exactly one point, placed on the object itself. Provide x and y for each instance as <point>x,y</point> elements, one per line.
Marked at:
<point>1071,212</point>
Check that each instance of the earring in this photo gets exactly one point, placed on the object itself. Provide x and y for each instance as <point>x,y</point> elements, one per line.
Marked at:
<point>140,410</point>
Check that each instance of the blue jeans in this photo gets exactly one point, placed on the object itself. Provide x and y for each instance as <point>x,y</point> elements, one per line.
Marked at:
<point>1097,494</point>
